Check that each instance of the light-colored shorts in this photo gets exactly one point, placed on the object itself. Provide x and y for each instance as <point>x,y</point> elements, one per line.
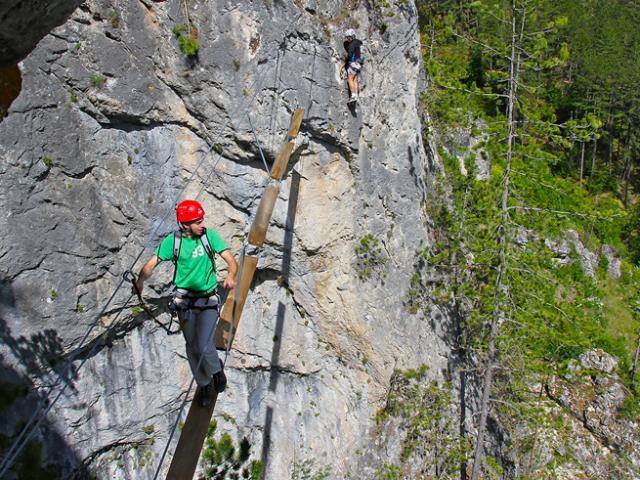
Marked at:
<point>354,68</point>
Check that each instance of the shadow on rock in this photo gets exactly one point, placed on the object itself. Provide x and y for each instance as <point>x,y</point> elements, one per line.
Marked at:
<point>24,24</point>
<point>39,354</point>
<point>46,454</point>
<point>277,344</point>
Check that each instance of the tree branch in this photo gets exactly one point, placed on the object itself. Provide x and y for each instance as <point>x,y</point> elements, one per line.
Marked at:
<point>561,212</point>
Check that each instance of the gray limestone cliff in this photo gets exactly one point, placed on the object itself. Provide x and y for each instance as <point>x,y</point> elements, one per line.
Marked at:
<point>113,124</point>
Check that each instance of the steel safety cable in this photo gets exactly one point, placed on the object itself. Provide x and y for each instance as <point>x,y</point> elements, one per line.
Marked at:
<point>210,337</point>
<point>186,398</point>
<point>233,311</point>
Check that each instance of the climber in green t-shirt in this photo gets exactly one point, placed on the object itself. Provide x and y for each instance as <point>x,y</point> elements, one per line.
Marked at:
<point>192,250</point>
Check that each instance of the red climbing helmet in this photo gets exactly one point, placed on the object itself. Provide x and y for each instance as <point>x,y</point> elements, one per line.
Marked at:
<point>188,211</point>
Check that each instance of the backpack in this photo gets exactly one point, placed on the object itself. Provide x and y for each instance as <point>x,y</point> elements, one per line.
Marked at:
<point>177,243</point>
<point>351,55</point>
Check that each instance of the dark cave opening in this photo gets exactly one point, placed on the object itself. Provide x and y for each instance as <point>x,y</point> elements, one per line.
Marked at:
<point>10,86</point>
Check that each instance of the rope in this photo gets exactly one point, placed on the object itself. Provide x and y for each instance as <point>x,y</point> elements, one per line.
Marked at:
<point>226,356</point>
<point>313,74</point>
<point>173,428</point>
<point>235,305</point>
<point>276,101</point>
<point>239,276</point>
<point>129,276</point>
<point>233,312</point>
<point>31,427</point>
<point>210,343</point>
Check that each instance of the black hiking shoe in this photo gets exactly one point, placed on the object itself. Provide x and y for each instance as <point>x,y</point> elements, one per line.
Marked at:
<point>220,379</point>
<point>205,395</point>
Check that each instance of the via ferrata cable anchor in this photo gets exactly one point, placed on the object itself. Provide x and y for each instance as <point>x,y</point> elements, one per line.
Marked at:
<point>129,276</point>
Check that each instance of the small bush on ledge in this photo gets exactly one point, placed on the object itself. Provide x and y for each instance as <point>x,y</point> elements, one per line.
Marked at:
<point>369,256</point>
<point>187,36</point>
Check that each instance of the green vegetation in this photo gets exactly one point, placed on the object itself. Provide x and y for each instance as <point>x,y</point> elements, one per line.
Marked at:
<point>430,439</point>
<point>307,470</point>
<point>97,79</point>
<point>546,197</point>
<point>369,257</point>
<point>222,459</point>
<point>229,418</point>
<point>390,472</point>
<point>145,459</point>
<point>550,90</point>
<point>115,19</point>
<point>149,429</point>
<point>48,162</point>
<point>187,36</point>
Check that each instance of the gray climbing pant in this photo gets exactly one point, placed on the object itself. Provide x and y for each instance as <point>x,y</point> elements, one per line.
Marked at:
<point>198,328</point>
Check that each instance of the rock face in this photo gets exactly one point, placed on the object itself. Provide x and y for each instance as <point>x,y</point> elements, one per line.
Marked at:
<point>613,261</point>
<point>467,145</point>
<point>113,126</point>
<point>588,260</point>
<point>591,402</point>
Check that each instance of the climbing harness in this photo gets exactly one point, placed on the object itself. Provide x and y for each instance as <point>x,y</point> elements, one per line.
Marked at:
<point>129,276</point>
<point>185,300</point>
<point>181,299</point>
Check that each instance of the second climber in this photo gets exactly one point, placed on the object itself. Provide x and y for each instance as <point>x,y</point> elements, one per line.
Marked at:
<point>353,63</point>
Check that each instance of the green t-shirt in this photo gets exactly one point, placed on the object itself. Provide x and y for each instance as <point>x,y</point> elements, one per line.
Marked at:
<point>194,269</point>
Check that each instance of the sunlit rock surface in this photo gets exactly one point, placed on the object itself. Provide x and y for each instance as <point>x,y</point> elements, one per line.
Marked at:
<point>113,125</point>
